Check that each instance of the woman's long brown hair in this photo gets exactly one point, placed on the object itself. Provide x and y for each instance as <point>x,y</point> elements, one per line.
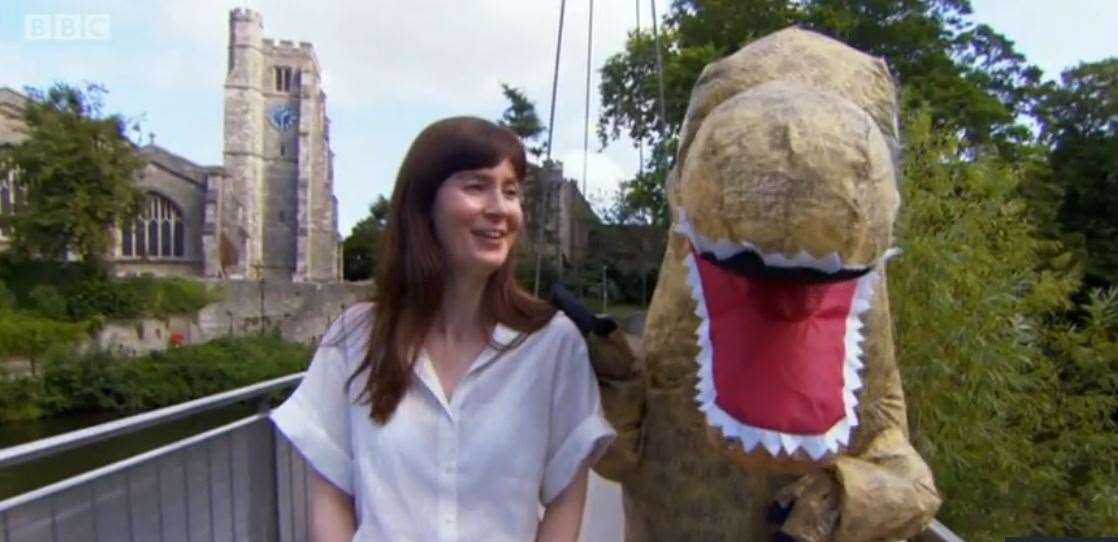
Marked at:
<point>410,265</point>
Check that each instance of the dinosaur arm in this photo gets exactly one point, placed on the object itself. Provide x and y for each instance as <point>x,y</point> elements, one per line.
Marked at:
<point>883,489</point>
<point>620,381</point>
<point>622,386</point>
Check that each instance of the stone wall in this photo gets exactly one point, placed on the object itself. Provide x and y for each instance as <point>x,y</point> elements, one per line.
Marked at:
<point>300,312</point>
<point>144,335</point>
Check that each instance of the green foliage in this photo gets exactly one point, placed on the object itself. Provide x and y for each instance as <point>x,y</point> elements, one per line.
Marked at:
<point>48,302</point>
<point>7,298</point>
<point>77,171</point>
<point>97,381</point>
<point>968,76</point>
<point>520,116</point>
<point>31,335</point>
<point>136,297</point>
<point>988,357</point>
<point>1080,122</point>
<point>78,291</point>
<point>360,248</point>
<point>1085,431</point>
<point>19,398</point>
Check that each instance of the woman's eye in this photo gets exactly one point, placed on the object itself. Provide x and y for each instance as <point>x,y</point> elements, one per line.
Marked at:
<point>512,193</point>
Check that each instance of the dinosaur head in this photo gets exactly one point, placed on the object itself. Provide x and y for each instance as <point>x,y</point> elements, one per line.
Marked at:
<point>785,192</point>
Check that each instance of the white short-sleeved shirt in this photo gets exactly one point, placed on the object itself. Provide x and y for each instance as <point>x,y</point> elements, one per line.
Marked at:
<point>474,468</point>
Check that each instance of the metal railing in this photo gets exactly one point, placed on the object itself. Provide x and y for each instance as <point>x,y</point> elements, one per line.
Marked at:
<point>240,481</point>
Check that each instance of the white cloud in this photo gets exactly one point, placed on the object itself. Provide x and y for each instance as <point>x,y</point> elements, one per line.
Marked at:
<point>392,66</point>
<point>389,68</point>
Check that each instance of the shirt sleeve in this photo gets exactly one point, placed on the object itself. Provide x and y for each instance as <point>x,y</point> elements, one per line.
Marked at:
<point>315,418</point>
<point>578,430</point>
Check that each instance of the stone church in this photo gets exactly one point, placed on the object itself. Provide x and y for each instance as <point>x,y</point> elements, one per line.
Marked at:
<point>269,212</point>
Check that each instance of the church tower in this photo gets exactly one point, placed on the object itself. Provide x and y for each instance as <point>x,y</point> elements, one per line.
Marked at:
<point>278,211</point>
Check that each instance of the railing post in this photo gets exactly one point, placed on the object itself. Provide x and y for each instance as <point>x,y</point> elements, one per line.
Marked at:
<point>263,483</point>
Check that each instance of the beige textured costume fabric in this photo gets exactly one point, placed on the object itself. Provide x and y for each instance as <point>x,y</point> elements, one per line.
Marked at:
<point>787,149</point>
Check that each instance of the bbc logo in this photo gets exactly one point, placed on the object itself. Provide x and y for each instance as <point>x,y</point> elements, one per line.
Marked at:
<point>66,27</point>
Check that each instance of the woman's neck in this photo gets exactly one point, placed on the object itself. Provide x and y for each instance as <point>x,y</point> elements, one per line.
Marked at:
<point>460,317</point>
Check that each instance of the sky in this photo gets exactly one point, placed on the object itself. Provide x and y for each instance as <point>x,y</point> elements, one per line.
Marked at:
<point>391,67</point>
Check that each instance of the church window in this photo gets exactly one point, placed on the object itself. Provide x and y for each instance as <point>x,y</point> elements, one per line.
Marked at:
<point>12,197</point>
<point>165,239</point>
<point>286,78</point>
<point>179,238</point>
<point>126,239</point>
<point>159,232</point>
<point>283,149</point>
<point>153,238</point>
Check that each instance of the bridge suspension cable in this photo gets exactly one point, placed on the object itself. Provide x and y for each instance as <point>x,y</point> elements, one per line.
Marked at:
<point>586,114</point>
<point>640,142</point>
<point>663,101</point>
<point>659,69</point>
<point>542,219</point>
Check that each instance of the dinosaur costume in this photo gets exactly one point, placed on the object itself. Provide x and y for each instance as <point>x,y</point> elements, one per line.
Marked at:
<point>766,373</point>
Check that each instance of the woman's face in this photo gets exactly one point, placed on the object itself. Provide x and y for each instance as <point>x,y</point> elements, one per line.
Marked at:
<point>477,217</point>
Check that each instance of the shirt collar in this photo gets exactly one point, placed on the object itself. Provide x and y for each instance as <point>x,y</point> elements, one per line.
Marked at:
<point>424,370</point>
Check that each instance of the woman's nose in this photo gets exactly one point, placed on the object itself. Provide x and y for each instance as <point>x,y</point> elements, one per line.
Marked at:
<point>497,204</point>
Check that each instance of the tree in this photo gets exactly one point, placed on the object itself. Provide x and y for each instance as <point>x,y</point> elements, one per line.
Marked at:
<point>968,76</point>
<point>520,116</point>
<point>360,248</point>
<point>1009,399</point>
<point>1079,119</point>
<point>631,105</point>
<point>77,169</point>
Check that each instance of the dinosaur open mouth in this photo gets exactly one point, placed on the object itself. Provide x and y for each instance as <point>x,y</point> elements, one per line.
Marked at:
<point>779,344</point>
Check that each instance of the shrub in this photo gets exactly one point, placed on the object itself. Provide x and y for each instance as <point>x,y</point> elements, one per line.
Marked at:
<point>48,301</point>
<point>29,335</point>
<point>19,398</point>
<point>77,292</point>
<point>1010,403</point>
<point>98,381</point>
<point>7,298</point>
<point>93,298</point>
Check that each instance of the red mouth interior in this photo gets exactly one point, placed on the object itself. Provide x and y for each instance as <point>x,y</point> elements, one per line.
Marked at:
<point>778,349</point>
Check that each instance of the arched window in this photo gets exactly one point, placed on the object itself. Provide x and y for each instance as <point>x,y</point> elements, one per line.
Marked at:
<point>12,196</point>
<point>158,232</point>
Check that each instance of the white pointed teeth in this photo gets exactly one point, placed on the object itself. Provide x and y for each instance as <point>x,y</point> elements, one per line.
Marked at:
<point>778,443</point>
<point>724,249</point>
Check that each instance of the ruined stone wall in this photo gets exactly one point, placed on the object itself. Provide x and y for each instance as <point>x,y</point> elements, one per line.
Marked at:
<point>300,312</point>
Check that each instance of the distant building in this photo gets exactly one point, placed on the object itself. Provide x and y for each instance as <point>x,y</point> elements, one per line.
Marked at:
<point>268,212</point>
<point>573,235</point>
<point>567,218</point>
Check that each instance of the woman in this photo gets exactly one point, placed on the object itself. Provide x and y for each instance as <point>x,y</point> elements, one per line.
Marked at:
<point>458,404</point>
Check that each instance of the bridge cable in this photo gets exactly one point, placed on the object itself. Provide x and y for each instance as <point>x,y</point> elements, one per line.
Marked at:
<point>663,106</point>
<point>547,162</point>
<point>586,115</point>
<point>659,69</point>
<point>640,142</point>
